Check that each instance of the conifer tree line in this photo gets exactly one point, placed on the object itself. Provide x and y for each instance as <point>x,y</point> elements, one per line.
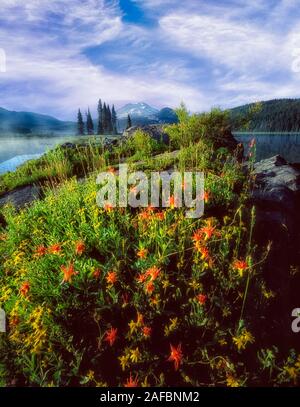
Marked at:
<point>106,122</point>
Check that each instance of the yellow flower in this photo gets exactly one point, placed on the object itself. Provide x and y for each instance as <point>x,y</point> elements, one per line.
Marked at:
<point>135,355</point>
<point>232,381</point>
<point>242,340</point>
<point>124,362</point>
<point>133,327</point>
<point>90,375</point>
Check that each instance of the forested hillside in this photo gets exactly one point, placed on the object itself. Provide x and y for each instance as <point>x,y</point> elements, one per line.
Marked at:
<point>273,115</point>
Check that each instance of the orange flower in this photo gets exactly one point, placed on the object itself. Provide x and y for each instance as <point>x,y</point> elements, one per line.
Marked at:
<point>140,319</point>
<point>145,215</point>
<point>41,251</point>
<point>69,272</point>
<point>142,253</point>
<point>97,273</point>
<point>201,299</point>
<point>108,207</point>
<point>172,201</point>
<point>79,248</point>
<point>25,287</point>
<point>146,331</point>
<point>206,231</point>
<point>204,251</point>
<point>150,288</point>
<point>111,335</point>
<point>240,266</point>
<point>153,273</point>
<point>111,277</point>
<point>160,215</point>
<point>206,196</point>
<point>55,248</point>
<point>176,356</point>
<point>141,278</point>
<point>132,382</point>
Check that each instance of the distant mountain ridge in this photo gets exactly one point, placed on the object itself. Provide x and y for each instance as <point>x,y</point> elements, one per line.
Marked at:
<point>12,122</point>
<point>277,115</point>
<point>32,123</point>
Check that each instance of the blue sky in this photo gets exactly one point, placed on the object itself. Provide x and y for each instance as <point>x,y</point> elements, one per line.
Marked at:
<point>61,55</point>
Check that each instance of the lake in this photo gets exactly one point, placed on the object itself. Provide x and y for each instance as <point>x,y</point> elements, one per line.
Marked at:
<point>15,150</point>
<point>270,144</point>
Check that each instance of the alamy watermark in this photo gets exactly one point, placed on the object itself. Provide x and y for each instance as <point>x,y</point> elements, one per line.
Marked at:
<point>136,189</point>
<point>2,320</point>
<point>296,321</point>
<point>2,61</point>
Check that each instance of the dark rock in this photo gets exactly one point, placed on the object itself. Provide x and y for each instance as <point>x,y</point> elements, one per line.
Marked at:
<point>276,196</point>
<point>69,145</point>
<point>22,196</point>
<point>155,131</point>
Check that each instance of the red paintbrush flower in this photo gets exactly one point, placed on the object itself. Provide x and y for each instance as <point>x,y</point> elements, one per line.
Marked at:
<point>111,335</point>
<point>176,356</point>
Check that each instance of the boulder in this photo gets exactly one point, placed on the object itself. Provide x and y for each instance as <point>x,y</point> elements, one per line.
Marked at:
<point>276,196</point>
<point>155,131</point>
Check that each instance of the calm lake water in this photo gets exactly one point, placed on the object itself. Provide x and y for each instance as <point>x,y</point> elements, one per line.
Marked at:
<point>15,150</point>
<point>18,149</point>
<point>270,144</point>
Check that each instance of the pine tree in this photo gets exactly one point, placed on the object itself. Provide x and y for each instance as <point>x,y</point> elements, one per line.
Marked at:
<point>100,118</point>
<point>104,117</point>
<point>114,121</point>
<point>89,123</point>
<point>108,120</point>
<point>80,124</point>
<point>129,123</point>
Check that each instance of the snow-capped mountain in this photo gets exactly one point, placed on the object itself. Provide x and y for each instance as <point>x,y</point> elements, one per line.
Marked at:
<point>141,113</point>
<point>137,110</point>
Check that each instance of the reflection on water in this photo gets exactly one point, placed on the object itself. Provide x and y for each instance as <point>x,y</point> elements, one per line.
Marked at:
<point>270,144</point>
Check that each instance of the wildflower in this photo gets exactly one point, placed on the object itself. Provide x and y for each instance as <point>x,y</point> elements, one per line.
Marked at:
<point>132,382</point>
<point>240,266</point>
<point>206,232</point>
<point>155,300</point>
<point>145,215</point>
<point>25,287</point>
<point>96,273</point>
<point>124,361</point>
<point>142,253</point>
<point>141,278</point>
<point>79,248</point>
<point>140,319</point>
<point>172,201</point>
<point>206,196</point>
<point>292,372</point>
<point>232,381</point>
<point>176,356</point>
<point>135,355</point>
<point>243,339</point>
<point>55,249</point>
<point>111,336</point>
<point>108,207</point>
<point>90,375</point>
<point>153,273</point>
<point>111,277</point>
<point>69,272</point>
<point>201,299</point>
<point>160,215</point>
<point>150,288</point>
<point>146,330</point>
<point>41,251</point>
